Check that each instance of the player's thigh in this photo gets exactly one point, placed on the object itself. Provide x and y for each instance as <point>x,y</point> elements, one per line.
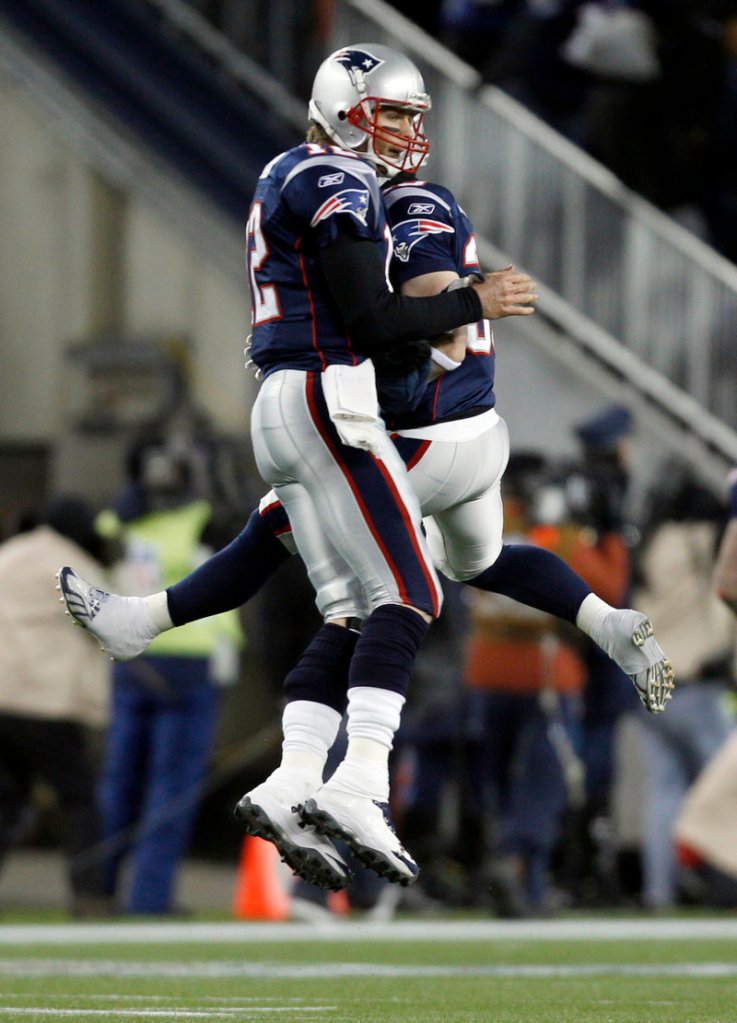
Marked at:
<point>339,594</point>
<point>465,519</point>
<point>361,501</point>
<point>452,472</point>
<point>375,531</point>
<point>467,538</point>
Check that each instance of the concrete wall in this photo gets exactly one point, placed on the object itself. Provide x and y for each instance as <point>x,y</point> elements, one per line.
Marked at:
<point>78,258</point>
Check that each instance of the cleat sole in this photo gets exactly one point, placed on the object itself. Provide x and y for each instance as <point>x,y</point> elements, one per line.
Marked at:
<point>305,863</point>
<point>325,824</point>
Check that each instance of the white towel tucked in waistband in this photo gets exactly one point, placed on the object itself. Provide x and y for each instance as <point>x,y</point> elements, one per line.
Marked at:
<point>350,395</point>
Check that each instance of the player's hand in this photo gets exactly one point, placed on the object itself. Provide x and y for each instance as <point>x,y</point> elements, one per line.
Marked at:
<point>506,292</point>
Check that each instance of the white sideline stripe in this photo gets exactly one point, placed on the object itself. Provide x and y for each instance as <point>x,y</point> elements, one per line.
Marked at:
<point>146,1013</point>
<point>156,1013</point>
<point>242,1002</point>
<point>630,929</point>
<point>333,971</point>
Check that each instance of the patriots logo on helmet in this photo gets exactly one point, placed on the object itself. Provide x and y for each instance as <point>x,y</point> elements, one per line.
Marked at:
<point>349,200</point>
<point>408,233</point>
<point>358,60</point>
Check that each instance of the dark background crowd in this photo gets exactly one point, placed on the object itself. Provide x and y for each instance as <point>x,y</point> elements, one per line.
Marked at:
<point>648,87</point>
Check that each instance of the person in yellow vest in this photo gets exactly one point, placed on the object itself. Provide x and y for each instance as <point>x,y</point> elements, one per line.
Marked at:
<point>165,703</point>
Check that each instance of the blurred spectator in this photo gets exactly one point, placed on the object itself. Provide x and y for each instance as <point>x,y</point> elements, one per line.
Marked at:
<point>54,694</point>
<point>706,831</point>
<point>476,29</point>
<point>648,87</point>
<point>529,64</point>
<point>596,491</point>
<point>718,196</point>
<point>660,106</point>
<point>725,572</point>
<point>676,563</point>
<point>524,675</point>
<point>706,827</point>
<point>165,702</point>
<point>654,91</point>
<point>428,766</point>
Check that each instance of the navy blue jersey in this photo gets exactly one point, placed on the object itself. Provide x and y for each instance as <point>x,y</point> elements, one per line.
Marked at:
<point>299,196</point>
<point>430,232</point>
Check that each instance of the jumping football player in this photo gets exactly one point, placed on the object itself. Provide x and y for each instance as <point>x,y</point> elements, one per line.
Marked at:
<point>456,448</point>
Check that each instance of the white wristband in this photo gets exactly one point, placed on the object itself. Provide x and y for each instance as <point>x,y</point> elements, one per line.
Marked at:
<point>444,360</point>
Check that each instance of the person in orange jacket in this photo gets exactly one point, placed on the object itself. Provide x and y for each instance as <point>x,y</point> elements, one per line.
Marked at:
<point>524,675</point>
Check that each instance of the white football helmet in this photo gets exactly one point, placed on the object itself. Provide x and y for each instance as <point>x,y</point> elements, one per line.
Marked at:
<point>352,86</point>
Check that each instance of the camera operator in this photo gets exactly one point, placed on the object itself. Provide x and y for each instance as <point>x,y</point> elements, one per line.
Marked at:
<point>597,492</point>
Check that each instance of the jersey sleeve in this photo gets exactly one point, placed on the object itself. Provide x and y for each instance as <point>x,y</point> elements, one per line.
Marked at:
<point>424,235</point>
<point>322,191</point>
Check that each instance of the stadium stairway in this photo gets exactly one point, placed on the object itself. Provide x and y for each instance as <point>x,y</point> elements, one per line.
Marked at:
<point>163,87</point>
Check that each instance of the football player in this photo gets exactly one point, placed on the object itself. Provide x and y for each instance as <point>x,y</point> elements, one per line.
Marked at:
<point>455,447</point>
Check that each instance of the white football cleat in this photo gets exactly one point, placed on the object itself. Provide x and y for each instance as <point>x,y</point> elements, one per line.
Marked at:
<point>627,636</point>
<point>268,812</point>
<point>123,626</point>
<point>365,825</point>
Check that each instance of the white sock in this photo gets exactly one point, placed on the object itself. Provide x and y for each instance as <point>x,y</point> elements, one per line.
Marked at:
<point>361,777</point>
<point>373,718</point>
<point>374,714</point>
<point>158,606</point>
<point>591,615</point>
<point>309,731</point>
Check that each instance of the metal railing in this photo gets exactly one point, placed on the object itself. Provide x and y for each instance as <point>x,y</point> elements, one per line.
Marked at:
<point>624,288</point>
<point>632,289</point>
<point>276,97</point>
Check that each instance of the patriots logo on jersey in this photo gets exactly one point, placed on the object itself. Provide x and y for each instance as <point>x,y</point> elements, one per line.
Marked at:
<point>408,233</point>
<point>349,200</point>
<point>358,60</point>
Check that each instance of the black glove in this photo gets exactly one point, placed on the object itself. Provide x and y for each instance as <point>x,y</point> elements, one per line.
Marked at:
<point>401,392</point>
<point>402,373</point>
<point>401,358</point>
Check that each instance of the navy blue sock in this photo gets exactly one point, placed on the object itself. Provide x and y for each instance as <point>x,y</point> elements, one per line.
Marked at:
<point>535,577</point>
<point>232,576</point>
<point>321,673</point>
<point>387,648</point>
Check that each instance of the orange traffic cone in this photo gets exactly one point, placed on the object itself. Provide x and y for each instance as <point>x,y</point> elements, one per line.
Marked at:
<point>339,903</point>
<point>261,891</point>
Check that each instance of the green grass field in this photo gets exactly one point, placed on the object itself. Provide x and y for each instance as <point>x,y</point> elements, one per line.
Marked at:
<point>640,971</point>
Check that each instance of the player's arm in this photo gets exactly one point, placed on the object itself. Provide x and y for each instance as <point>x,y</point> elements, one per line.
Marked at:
<point>378,318</point>
<point>453,344</point>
